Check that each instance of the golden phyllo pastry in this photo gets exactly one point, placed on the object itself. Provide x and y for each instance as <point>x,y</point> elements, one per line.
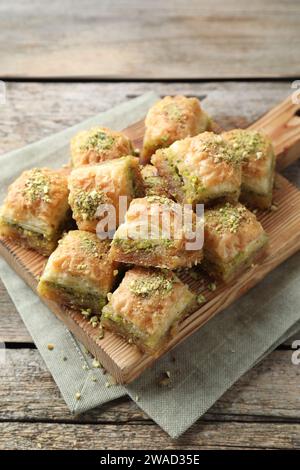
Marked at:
<point>233,240</point>
<point>97,145</point>
<point>200,169</point>
<point>156,232</point>
<point>147,306</point>
<point>93,187</point>
<point>36,210</point>
<point>79,273</point>
<point>170,119</point>
<point>154,184</point>
<point>256,153</point>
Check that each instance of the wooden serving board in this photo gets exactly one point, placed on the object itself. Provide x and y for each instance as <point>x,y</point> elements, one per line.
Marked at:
<point>124,361</point>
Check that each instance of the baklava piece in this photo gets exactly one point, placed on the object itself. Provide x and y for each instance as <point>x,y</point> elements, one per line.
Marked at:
<point>147,306</point>
<point>157,233</point>
<point>258,166</point>
<point>233,240</point>
<point>36,210</point>
<point>97,145</point>
<point>200,169</point>
<point>95,187</point>
<point>154,184</point>
<point>79,273</point>
<point>170,119</point>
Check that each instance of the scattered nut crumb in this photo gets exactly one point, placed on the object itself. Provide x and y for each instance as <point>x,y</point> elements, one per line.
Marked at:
<point>115,272</point>
<point>274,208</point>
<point>201,299</point>
<point>50,346</point>
<point>77,395</point>
<point>85,367</point>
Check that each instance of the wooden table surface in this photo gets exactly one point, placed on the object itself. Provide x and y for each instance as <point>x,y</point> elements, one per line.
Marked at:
<point>67,60</point>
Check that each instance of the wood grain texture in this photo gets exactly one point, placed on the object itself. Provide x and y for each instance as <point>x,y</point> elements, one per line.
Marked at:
<point>134,39</point>
<point>268,392</point>
<point>124,361</point>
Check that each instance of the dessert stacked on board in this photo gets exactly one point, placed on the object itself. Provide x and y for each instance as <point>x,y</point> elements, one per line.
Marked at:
<point>118,228</point>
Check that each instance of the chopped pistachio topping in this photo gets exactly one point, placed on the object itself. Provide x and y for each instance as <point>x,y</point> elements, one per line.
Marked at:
<point>98,140</point>
<point>247,144</point>
<point>37,186</point>
<point>151,284</point>
<point>160,200</point>
<point>227,217</point>
<point>90,245</point>
<point>86,203</point>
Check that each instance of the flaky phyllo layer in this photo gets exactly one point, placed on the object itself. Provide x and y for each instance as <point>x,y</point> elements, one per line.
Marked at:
<point>158,232</point>
<point>36,210</point>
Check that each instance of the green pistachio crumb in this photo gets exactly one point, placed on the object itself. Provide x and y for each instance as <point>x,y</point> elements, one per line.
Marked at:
<point>212,286</point>
<point>201,299</point>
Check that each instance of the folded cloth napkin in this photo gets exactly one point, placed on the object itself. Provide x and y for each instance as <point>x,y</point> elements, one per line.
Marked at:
<point>203,367</point>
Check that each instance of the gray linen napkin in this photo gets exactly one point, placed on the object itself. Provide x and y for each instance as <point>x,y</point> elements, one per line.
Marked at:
<point>202,368</point>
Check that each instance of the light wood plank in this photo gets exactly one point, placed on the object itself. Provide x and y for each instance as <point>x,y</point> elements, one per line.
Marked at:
<point>134,39</point>
<point>268,392</point>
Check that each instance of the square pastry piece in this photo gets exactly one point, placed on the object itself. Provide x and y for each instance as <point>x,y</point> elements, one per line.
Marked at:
<point>78,273</point>
<point>258,165</point>
<point>233,240</point>
<point>147,306</point>
<point>97,145</point>
<point>93,187</point>
<point>170,119</point>
<point>157,233</point>
<point>200,169</point>
<point>36,209</point>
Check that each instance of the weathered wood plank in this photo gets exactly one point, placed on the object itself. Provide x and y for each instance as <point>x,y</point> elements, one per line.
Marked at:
<point>269,392</point>
<point>203,435</point>
<point>133,39</point>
